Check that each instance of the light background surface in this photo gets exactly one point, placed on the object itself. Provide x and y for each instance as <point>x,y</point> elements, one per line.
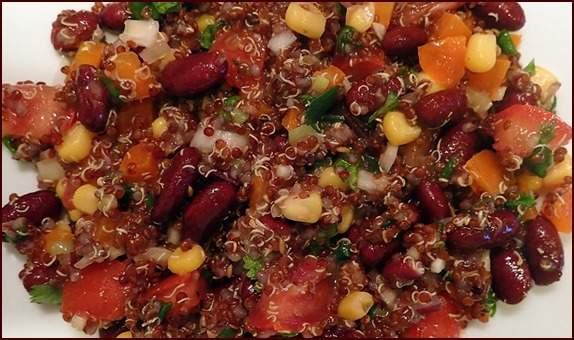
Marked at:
<point>27,54</point>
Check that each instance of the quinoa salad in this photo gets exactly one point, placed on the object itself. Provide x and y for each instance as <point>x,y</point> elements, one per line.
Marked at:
<point>352,169</point>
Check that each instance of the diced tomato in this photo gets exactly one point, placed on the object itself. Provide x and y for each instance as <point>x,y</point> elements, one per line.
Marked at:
<point>97,293</point>
<point>309,270</point>
<point>437,324</point>
<point>359,67</point>
<point>245,53</point>
<point>286,311</point>
<point>30,110</point>
<point>171,290</point>
<point>516,130</point>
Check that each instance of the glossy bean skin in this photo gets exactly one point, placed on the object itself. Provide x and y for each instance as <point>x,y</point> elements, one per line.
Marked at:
<point>193,74</point>
<point>364,98</point>
<point>544,251</point>
<point>278,226</point>
<point>403,40</point>
<point>373,255</point>
<point>207,210</point>
<point>93,99</point>
<point>511,278</point>
<point>501,15</point>
<point>440,108</point>
<point>114,15</point>
<point>71,28</point>
<point>34,206</point>
<point>432,201</point>
<point>400,268</point>
<point>456,142</point>
<point>39,275</point>
<point>512,97</point>
<point>181,174</point>
<point>499,229</point>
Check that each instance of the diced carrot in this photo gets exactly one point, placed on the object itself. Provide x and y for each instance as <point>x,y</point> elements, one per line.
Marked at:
<point>559,212</point>
<point>89,53</point>
<point>450,25</point>
<point>127,115</point>
<point>486,172</point>
<point>384,12</point>
<point>291,119</point>
<point>333,74</point>
<point>530,214</point>
<point>129,67</point>
<point>516,39</point>
<point>443,60</point>
<point>258,191</point>
<point>490,81</point>
<point>139,164</point>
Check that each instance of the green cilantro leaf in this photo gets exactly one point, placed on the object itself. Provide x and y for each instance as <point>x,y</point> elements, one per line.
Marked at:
<point>531,67</point>
<point>208,35</point>
<point>343,251</point>
<point>7,141</point>
<point>490,303</point>
<point>227,332</point>
<point>547,132</point>
<point>346,37</point>
<point>449,168</point>
<point>46,294</point>
<point>521,204</point>
<point>390,104</point>
<point>539,160</point>
<point>252,266</point>
<point>165,307</point>
<point>319,106</point>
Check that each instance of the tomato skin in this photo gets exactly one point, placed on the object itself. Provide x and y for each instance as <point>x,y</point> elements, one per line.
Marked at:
<point>193,285</point>
<point>360,67</point>
<point>240,63</point>
<point>437,324</point>
<point>98,292</point>
<point>34,113</point>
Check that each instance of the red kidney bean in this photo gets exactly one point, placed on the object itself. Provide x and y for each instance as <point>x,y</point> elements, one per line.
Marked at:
<point>363,98</point>
<point>373,255</point>
<point>207,210</point>
<point>501,15</point>
<point>93,99</point>
<point>499,229</point>
<point>278,226</point>
<point>403,40</point>
<point>544,251</point>
<point>512,97</point>
<point>176,180</point>
<point>510,275</point>
<point>34,206</point>
<point>341,332</point>
<point>193,74</point>
<point>71,28</point>
<point>401,268</point>
<point>39,275</point>
<point>114,15</point>
<point>432,201</point>
<point>460,144</point>
<point>439,108</point>
<point>247,291</point>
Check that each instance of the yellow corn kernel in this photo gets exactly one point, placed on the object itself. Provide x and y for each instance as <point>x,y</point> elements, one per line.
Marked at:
<point>398,129</point>
<point>61,187</point>
<point>361,17</point>
<point>205,20</point>
<point>75,214</point>
<point>85,200</point>
<point>320,83</point>
<point>330,177</point>
<point>126,334</point>
<point>528,182</point>
<point>60,240</point>
<point>183,262</point>
<point>543,78</point>
<point>76,144</point>
<point>434,86</point>
<point>305,18</point>
<point>481,52</point>
<point>355,305</point>
<point>159,126</point>
<point>347,217</point>
<point>299,209</point>
<point>556,174</point>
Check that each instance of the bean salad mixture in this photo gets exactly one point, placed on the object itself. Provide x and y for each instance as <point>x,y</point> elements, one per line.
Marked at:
<point>352,169</point>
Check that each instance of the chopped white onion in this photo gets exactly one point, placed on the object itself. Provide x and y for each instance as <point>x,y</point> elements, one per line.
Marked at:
<point>50,170</point>
<point>284,171</point>
<point>387,158</point>
<point>79,322</point>
<point>281,41</point>
<point>380,30</point>
<point>83,262</point>
<point>479,101</point>
<point>206,143</point>
<point>437,265</point>
<point>155,52</point>
<point>158,254</point>
<point>142,32</point>
<point>366,181</point>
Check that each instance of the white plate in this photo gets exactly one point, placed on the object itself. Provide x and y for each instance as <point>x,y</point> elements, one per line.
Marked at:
<point>27,54</point>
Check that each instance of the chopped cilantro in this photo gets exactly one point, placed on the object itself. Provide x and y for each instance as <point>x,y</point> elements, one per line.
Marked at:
<point>149,200</point>
<point>387,222</point>
<point>252,266</point>
<point>346,37</point>
<point>390,104</point>
<point>329,119</point>
<point>554,103</point>
<point>490,303</point>
<point>46,294</point>
<point>307,98</point>
<point>353,170</point>
<point>7,141</point>
<point>539,160</point>
<point>208,35</point>
<point>343,251</point>
<point>371,162</point>
<point>231,101</point>
<point>332,231</point>
<point>19,236</point>
<point>227,332</point>
<point>287,335</point>
<point>506,44</point>
<point>155,8</point>
<point>341,9</point>
<point>319,106</point>
<point>449,168</point>
<point>165,307</point>
<point>165,7</point>
<point>112,90</point>
<point>547,132</point>
<point>521,204</point>
<point>531,67</point>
